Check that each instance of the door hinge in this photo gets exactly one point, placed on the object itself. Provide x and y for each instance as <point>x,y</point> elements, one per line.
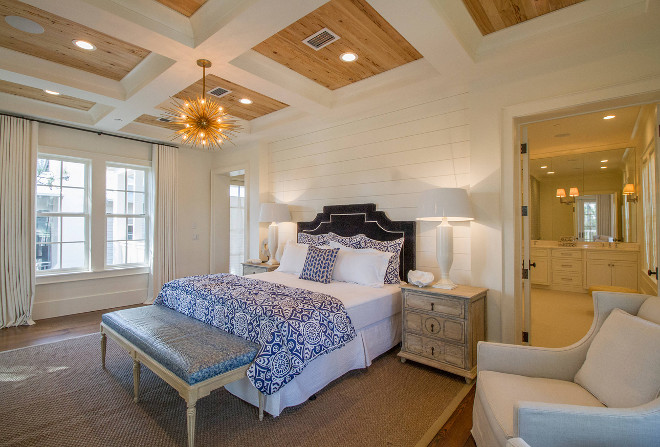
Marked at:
<point>525,337</point>
<point>523,210</point>
<point>523,148</point>
<point>525,273</point>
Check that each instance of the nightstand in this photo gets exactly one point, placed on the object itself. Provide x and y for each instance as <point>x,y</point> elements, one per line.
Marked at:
<point>441,327</point>
<point>250,269</point>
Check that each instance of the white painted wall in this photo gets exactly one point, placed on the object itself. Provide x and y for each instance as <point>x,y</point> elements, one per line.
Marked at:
<point>69,294</point>
<point>387,156</point>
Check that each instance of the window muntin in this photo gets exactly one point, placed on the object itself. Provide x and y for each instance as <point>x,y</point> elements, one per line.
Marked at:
<point>62,214</point>
<point>126,215</point>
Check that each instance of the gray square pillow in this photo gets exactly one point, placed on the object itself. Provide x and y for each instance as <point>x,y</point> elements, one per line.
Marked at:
<point>622,368</point>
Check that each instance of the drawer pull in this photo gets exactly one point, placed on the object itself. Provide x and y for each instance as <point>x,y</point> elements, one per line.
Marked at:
<point>432,306</point>
<point>567,279</point>
<point>566,265</point>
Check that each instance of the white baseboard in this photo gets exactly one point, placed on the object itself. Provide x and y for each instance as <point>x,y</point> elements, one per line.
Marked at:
<point>76,305</point>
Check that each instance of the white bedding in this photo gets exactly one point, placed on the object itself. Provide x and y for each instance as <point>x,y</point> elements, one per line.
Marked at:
<point>365,305</point>
<point>376,316</point>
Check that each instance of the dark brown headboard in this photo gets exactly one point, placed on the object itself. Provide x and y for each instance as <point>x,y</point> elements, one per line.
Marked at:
<point>350,220</point>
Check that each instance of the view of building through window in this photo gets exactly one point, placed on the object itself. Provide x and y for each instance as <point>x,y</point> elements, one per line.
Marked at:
<point>62,214</point>
<point>236,222</point>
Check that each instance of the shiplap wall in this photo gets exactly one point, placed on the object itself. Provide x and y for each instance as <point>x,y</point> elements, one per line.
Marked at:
<point>386,157</point>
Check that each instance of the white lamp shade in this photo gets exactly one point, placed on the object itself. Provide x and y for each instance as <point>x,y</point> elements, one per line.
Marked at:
<point>274,212</point>
<point>452,203</point>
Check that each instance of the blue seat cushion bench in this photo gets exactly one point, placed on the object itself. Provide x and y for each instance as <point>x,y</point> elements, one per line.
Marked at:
<point>192,350</point>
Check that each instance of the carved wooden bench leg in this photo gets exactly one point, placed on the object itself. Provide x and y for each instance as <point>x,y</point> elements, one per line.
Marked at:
<point>104,342</point>
<point>262,405</point>
<point>191,413</point>
<point>136,380</point>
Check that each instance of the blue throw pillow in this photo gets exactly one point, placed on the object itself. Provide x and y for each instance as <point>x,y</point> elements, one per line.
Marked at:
<point>319,264</point>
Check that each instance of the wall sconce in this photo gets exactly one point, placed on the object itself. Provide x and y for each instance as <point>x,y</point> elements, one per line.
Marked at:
<point>629,192</point>
<point>573,193</point>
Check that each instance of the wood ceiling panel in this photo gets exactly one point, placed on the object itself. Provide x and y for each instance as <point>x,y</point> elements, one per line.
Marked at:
<point>185,7</point>
<point>153,121</point>
<point>40,95</point>
<point>112,58</point>
<point>491,16</point>
<point>361,30</point>
<point>261,104</point>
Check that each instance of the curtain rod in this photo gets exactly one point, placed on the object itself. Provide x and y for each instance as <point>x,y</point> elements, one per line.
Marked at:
<point>98,132</point>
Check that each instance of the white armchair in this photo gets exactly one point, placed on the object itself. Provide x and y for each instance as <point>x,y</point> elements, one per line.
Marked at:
<point>529,392</point>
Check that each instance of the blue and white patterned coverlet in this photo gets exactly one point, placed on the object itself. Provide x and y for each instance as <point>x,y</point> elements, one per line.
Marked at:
<point>293,326</point>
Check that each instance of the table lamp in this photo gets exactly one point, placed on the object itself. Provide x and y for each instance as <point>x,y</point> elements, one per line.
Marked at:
<point>445,205</point>
<point>273,212</point>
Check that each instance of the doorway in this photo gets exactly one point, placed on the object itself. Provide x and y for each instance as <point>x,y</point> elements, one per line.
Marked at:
<point>588,224</point>
<point>229,218</point>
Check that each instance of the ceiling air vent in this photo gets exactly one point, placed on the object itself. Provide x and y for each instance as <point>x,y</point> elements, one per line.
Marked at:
<point>321,39</point>
<point>219,92</point>
<point>165,120</point>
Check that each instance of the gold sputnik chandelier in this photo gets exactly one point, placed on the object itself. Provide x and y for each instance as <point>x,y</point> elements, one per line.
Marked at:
<point>201,121</point>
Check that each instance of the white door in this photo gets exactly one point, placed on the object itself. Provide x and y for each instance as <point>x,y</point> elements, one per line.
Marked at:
<point>656,155</point>
<point>220,223</point>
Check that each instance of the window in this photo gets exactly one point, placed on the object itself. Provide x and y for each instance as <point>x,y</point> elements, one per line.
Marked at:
<point>126,215</point>
<point>236,223</point>
<point>62,211</point>
<point>587,218</point>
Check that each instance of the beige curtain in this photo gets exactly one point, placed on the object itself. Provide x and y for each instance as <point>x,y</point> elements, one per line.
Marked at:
<point>18,165</point>
<point>164,212</point>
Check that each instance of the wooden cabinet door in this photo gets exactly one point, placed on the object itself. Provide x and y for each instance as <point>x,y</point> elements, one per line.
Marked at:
<point>540,274</point>
<point>624,274</point>
<point>599,273</point>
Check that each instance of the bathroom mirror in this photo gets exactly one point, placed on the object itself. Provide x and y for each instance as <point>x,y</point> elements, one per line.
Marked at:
<point>582,195</point>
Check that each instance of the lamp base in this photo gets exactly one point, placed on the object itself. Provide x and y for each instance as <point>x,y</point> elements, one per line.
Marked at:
<point>272,261</point>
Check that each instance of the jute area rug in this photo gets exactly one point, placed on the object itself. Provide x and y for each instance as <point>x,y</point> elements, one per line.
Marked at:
<point>58,395</point>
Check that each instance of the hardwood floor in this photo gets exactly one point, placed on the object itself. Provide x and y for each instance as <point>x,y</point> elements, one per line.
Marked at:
<point>455,432</point>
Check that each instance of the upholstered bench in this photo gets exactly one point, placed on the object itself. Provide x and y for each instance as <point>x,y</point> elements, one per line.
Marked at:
<point>193,357</point>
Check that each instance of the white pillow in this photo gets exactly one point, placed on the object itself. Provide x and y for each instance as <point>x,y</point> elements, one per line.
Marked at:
<point>293,258</point>
<point>622,368</point>
<point>366,267</point>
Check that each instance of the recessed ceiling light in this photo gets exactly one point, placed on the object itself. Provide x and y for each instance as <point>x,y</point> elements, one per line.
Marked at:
<point>245,101</point>
<point>348,57</point>
<point>84,45</point>
<point>543,167</point>
<point>603,167</point>
<point>609,117</point>
<point>603,161</point>
<point>51,92</point>
<point>551,172</point>
<point>25,25</point>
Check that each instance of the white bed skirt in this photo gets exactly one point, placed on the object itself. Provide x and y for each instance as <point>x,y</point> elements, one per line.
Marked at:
<point>371,341</point>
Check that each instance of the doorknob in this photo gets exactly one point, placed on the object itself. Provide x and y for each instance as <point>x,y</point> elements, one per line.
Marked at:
<point>653,273</point>
<point>532,264</point>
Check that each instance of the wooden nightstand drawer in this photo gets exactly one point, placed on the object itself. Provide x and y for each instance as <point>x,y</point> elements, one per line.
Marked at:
<point>435,325</point>
<point>440,304</point>
<point>251,269</point>
<point>435,350</point>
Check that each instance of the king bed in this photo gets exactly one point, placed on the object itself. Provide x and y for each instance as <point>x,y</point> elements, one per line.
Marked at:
<point>374,313</point>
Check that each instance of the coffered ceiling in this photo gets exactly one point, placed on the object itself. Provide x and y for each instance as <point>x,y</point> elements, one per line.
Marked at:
<point>112,59</point>
<point>146,52</point>
<point>261,104</point>
<point>361,30</point>
<point>491,16</point>
<point>185,7</point>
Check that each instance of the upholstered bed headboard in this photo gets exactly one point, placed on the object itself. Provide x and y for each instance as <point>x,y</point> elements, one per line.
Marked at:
<point>350,220</point>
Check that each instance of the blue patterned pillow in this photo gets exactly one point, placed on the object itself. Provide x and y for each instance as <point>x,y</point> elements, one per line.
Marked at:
<point>313,239</point>
<point>350,241</point>
<point>392,272</point>
<point>319,264</point>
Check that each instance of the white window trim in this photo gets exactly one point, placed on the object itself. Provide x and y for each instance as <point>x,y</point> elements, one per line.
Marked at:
<point>96,261</point>
<point>86,214</point>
